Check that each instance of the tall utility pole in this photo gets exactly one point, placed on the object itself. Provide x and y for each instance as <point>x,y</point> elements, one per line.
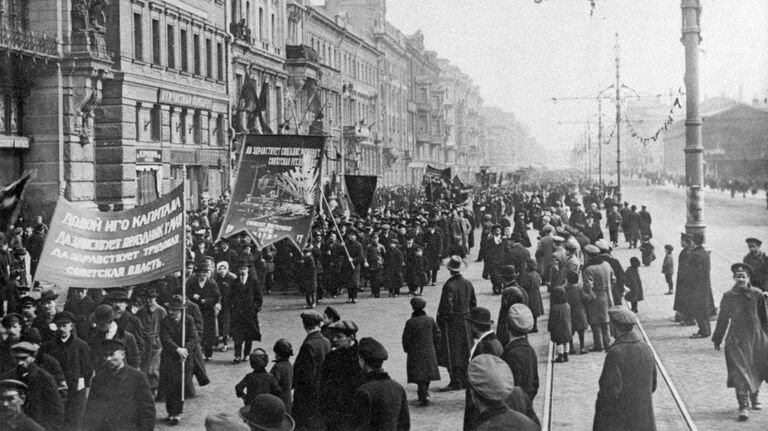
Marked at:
<point>600,142</point>
<point>694,151</point>
<point>618,123</point>
<point>589,153</point>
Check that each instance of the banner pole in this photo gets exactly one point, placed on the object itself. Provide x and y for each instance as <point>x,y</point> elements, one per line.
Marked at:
<point>183,274</point>
<point>338,231</point>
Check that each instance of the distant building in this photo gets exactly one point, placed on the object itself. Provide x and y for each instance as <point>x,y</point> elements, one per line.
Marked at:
<point>735,140</point>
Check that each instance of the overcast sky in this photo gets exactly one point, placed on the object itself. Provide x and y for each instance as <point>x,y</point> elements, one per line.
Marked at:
<point>522,54</point>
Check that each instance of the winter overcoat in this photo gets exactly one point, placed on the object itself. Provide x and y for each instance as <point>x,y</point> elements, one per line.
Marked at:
<point>625,399</point>
<point>457,298</point>
<point>598,280</point>
<point>420,337</point>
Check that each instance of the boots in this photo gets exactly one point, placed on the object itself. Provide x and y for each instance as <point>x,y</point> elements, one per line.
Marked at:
<point>565,357</point>
<point>561,358</point>
<point>743,398</point>
<point>754,401</point>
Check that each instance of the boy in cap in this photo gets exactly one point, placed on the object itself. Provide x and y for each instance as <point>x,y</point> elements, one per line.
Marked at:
<point>380,402</point>
<point>491,383</point>
<point>259,381</point>
<point>743,316</point>
<point>420,337</point>
<point>668,268</point>
<point>282,371</point>
<point>628,379</point>
<point>518,353</point>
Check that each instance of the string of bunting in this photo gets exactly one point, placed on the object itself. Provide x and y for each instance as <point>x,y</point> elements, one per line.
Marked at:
<point>645,140</point>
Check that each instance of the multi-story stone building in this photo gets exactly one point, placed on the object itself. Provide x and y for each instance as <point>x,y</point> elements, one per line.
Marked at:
<point>32,102</point>
<point>428,120</point>
<point>333,70</point>
<point>464,147</point>
<point>393,129</point>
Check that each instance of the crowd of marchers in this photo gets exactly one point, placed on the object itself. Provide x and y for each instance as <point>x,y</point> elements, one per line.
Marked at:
<point>100,359</point>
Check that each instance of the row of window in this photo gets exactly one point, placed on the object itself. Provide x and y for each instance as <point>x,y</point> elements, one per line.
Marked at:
<point>10,113</point>
<point>175,53</point>
<point>346,62</point>
<point>180,126</point>
<point>242,13</point>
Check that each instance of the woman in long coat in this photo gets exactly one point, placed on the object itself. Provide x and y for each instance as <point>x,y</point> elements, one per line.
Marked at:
<point>743,315</point>
<point>245,302</point>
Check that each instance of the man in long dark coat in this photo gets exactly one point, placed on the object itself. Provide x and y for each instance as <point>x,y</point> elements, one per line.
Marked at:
<point>245,301</point>
<point>203,291</point>
<point>701,304</point>
<point>433,251</point>
<point>743,315</point>
<point>458,297</point>
<point>351,269</point>
<point>120,398</point>
<point>176,350</point>
<point>645,223</point>
<point>625,399</point>
<point>495,255</point>
<point>306,374</point>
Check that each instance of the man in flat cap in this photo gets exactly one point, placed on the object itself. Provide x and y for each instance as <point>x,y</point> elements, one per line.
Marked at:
<point>13,394</point>
<point>628,380</point>
<point>75,358</point>
<point>179,343</point>
<point>43,401</point>
<point>743,316</point>
<point>759,263</point>
<point>341,376</point>
<point>491,383</point>
<point>120,398</point>
<point>518,353</point>
<point>380,403</point>
<point>306,374</point>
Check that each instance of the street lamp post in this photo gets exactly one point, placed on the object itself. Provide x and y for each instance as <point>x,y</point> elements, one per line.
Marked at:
<point>694,150</point>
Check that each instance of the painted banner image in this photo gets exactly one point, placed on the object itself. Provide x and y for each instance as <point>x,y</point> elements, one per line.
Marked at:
<point>277,189</point>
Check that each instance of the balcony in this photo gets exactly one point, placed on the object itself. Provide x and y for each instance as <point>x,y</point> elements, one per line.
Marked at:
<point>302,62</point>
<point>27,43</point>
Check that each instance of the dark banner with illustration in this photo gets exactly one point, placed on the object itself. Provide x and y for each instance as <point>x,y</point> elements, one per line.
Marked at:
<point>361,189</point>
<point>93,249</point>
<point>277,189</point>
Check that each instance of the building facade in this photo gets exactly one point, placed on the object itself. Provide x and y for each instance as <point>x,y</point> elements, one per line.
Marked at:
<point>111,105</point>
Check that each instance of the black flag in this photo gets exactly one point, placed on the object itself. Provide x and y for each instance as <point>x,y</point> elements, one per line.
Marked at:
<point>10,196</point>
<point>360,189</point>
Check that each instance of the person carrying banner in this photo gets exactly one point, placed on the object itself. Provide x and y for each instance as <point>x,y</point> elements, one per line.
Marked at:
<point>350,272</point>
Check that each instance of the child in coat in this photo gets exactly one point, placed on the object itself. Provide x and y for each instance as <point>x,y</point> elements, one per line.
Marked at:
<point>420,336</point>
<point>633,283</point>
<point>574,295</point>
<point>647,251</point>
<point>417,272</point>
<point>259,381</point>
<point>559,325</point>
<point>282,371</point>
<point>668,268</point>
